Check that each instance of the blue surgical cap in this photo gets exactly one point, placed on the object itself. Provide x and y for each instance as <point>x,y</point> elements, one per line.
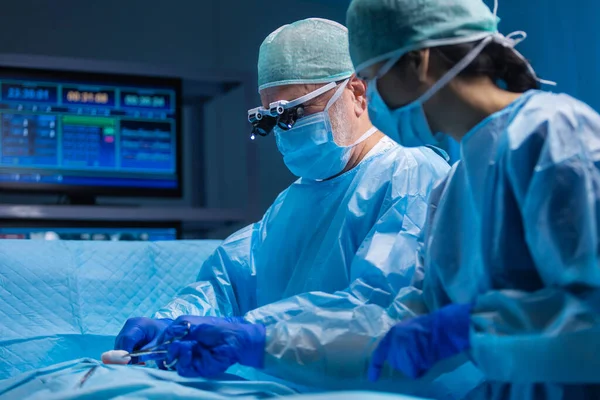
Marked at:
<point>382,29</point>
<point>312,50</point>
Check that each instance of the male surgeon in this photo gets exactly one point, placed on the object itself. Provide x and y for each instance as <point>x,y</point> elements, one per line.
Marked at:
<point>341,238</point>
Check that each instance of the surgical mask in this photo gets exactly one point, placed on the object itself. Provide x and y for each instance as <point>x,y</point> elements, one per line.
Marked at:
<point>408,125</point>
<point>309,149</point>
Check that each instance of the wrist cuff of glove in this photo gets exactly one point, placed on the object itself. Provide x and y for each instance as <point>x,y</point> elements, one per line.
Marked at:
<point>254,343</point>
<point>453,325</point>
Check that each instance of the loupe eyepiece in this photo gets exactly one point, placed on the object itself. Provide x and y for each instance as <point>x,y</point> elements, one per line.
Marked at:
<point>289,117</point>
<point>264,126</point>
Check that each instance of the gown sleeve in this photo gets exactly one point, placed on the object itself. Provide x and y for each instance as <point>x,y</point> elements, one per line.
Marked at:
<point>226,284</point>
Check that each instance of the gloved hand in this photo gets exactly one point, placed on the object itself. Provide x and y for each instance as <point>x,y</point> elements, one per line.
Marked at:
<point>213,344</point>
<point>140,332</point>
<point>413,347</point>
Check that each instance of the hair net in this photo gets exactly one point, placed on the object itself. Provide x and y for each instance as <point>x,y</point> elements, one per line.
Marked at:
<point>382,29</point>
<point>312,50</point>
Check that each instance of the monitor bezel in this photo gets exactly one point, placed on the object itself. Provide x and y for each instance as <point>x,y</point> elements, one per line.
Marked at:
<point>109,191</point>
<point>58,223</point>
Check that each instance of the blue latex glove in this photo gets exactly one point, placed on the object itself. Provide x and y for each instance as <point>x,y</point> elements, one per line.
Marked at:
<point>140,332</point>
<point>213,345</point>
<point>413,347</point>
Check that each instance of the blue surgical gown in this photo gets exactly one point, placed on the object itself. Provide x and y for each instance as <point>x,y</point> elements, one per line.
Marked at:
<point>514,229</point>
<point>324,248</point>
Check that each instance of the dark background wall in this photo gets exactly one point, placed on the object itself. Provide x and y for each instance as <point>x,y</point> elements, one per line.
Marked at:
<point>224,35</point>
<point>563,42</point>
<point>190,35</point>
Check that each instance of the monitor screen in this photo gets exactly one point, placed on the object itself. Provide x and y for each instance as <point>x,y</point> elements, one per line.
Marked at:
<point>88,231</point>
<point>89,133</point>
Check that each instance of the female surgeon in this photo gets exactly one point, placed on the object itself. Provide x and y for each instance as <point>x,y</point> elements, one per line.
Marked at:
<point>510,253</point>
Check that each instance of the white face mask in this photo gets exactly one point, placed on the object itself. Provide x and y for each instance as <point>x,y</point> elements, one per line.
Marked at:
<point>309,148</point>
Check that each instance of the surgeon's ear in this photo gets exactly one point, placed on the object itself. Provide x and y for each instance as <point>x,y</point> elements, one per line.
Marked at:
<point>358,88</point>
<point>410,72</point>
<point>423,67</point>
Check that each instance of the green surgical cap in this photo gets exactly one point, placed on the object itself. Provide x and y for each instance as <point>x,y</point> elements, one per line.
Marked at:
<point>312,50</point>
<point>382,29</point>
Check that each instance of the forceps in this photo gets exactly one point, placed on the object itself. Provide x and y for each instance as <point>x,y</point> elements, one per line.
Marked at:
<point>159,348</point>
<point>86,376</point>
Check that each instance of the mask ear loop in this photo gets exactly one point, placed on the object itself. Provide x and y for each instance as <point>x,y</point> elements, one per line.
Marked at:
<point>310,95</point>
<point>387,66</point>
<point>508,41</point>
<point>335,98</point>
<point>456,69</point>
<point>513,39</point>
<point>511,42</point>
<point>338,93</point>
<point>365,136</point>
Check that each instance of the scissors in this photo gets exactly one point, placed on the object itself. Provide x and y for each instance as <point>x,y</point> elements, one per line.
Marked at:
<point>159,348</point>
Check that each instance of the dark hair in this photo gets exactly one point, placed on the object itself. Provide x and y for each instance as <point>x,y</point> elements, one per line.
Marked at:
<point>496,61</point>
